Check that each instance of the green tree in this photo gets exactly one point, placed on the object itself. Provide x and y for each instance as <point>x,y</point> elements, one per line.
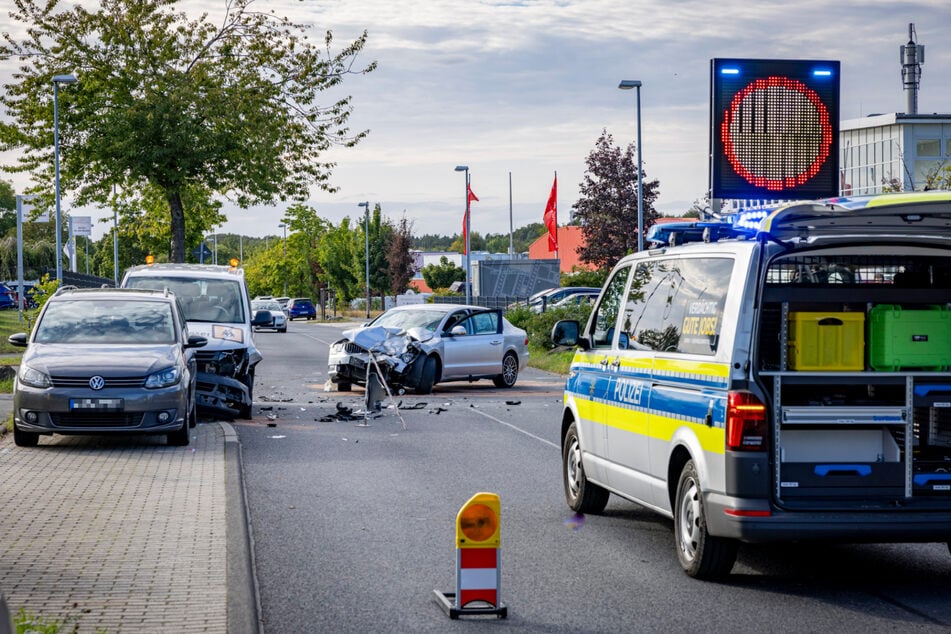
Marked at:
<point>476,243</point>
<point>521,238</point>
<point>338,257</point>
<point>442,275</point>
<point>381,234</point>
<point>170,105</point>
<point>607,209</point>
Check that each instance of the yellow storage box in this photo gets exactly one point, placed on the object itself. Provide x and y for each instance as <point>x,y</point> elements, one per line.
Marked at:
<point>826,342</point>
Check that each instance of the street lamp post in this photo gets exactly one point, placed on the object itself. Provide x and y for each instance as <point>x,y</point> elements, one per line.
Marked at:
<point>627,84</point>
<point>283,226</point>
<point>465,168</point>
<point>366,242</point>
<point>57,80</point>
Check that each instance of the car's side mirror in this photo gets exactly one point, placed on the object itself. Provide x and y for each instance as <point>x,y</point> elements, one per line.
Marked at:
<point>566,333</point>
<point>458,331</point>
<point>18,339</point>
<point>261,318</point>
<point>194,341</point>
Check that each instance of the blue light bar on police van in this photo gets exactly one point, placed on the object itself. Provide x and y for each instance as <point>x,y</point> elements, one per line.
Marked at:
<point>822,72</point>
<point>729,71</point>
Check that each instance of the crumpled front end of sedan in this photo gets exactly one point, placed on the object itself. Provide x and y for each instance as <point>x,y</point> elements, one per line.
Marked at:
<point>393,352</point>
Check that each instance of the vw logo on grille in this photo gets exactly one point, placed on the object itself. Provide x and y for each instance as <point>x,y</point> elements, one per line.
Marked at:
<point>97,383</point>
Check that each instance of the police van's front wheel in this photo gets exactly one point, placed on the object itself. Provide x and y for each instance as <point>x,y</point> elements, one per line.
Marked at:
<point>701,555</point>
<point>582,496</point>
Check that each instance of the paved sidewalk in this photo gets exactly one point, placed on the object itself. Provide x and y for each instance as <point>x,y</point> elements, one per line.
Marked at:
<point>126,534</point>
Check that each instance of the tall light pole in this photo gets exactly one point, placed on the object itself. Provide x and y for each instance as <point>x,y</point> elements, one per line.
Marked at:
<point>366,254</point>
<point>283,226</point>
<point>57,80</point>
<point>627,84</point>
<point>465,168</point>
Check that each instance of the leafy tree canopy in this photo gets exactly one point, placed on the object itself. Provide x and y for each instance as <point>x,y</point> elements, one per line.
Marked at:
<point>172,105</point>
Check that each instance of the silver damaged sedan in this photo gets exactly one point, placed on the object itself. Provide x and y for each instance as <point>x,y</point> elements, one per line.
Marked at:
<point>415,347</point>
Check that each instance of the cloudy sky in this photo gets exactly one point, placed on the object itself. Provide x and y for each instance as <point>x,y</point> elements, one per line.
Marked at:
<point>525,87</point>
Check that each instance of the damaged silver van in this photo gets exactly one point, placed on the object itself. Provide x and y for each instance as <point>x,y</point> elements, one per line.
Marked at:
<point>217,306</point>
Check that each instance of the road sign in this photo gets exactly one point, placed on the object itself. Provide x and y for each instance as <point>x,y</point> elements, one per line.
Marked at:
<point>774,128</point>
<point>202,252</point>
<point>82,226</point>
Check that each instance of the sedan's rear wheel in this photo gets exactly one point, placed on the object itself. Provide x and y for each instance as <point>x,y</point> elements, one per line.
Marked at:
<point>509,371</point>
<point>25,438</point>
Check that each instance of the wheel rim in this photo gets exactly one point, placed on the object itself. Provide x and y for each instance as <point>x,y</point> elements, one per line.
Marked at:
<point>573,469</point>
<point>689,520</point>
<point>509,370</point>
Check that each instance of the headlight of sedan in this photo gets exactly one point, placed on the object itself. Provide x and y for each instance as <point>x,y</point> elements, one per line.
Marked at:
<point>33,377</point>
<point>337,348</point>
<point>164,378</point>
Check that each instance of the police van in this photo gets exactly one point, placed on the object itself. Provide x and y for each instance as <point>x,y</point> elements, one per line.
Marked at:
<point>787,380</point>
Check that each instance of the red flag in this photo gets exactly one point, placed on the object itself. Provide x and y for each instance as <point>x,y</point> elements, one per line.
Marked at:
<point>551,216</point>
<point>465,221</point>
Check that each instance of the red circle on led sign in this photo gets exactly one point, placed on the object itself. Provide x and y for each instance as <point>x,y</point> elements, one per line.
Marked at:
<point>749,155</point>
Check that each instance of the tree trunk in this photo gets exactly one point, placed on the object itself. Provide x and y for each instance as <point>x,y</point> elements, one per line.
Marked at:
<point>178,227</point>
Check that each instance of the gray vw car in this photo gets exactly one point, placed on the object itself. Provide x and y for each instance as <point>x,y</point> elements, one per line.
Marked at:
<point>106,361</point>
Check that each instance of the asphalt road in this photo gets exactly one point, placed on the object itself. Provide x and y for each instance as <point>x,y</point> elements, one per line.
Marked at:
<point>354,525</point>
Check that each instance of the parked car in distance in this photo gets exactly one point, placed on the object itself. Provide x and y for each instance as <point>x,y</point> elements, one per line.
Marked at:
<point>574,299</point>
<point>541,302</point>
<point>301,308</point>
<point>277,320</point>
<point>8,298</point>
<point>106,361</point>
<point>283,302</point>
<point>420,345</point>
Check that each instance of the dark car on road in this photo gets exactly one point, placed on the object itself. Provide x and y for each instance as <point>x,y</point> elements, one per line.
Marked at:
<point>301,308</point>
<point>106,361</point>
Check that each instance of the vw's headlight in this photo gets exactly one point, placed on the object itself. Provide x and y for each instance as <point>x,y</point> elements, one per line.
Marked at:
<point>165,378</point>
<point>33,377</point>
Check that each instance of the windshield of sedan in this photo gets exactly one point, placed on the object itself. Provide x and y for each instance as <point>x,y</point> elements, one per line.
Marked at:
<point>106,321</point>
<point>406,319</point>
<point>202,299</point>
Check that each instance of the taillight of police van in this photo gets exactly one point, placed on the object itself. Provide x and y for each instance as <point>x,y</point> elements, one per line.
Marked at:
<point>746,428</point>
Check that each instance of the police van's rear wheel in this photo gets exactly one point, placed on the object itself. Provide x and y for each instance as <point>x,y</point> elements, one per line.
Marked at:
<point>701,555</point>
<point>582,496</point>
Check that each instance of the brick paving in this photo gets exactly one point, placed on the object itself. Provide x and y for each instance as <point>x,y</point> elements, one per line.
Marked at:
<point>116,534</point>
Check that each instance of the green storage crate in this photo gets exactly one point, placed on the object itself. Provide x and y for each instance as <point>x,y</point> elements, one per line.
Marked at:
<point>826,342</point>
<point>902,339</point>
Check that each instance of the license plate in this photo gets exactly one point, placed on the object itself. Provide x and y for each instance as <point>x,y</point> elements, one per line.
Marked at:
<point>99,404</point>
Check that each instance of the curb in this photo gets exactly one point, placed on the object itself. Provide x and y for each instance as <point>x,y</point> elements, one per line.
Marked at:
<point>244,604</point>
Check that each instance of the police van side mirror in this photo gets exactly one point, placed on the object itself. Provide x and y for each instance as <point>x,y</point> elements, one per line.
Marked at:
<point>566,333</point>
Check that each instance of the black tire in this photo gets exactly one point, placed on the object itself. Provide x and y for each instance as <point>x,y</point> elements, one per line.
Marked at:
<point>701,555</point>
<point>180,437</point>
<point>344,387</point>
<point>582,496</point>
<point>283,330</point>
<point>193,415</point>
<point>509,371</point>
<point>427,378</point>
<point>25,438</point>
<point>244,410</point>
